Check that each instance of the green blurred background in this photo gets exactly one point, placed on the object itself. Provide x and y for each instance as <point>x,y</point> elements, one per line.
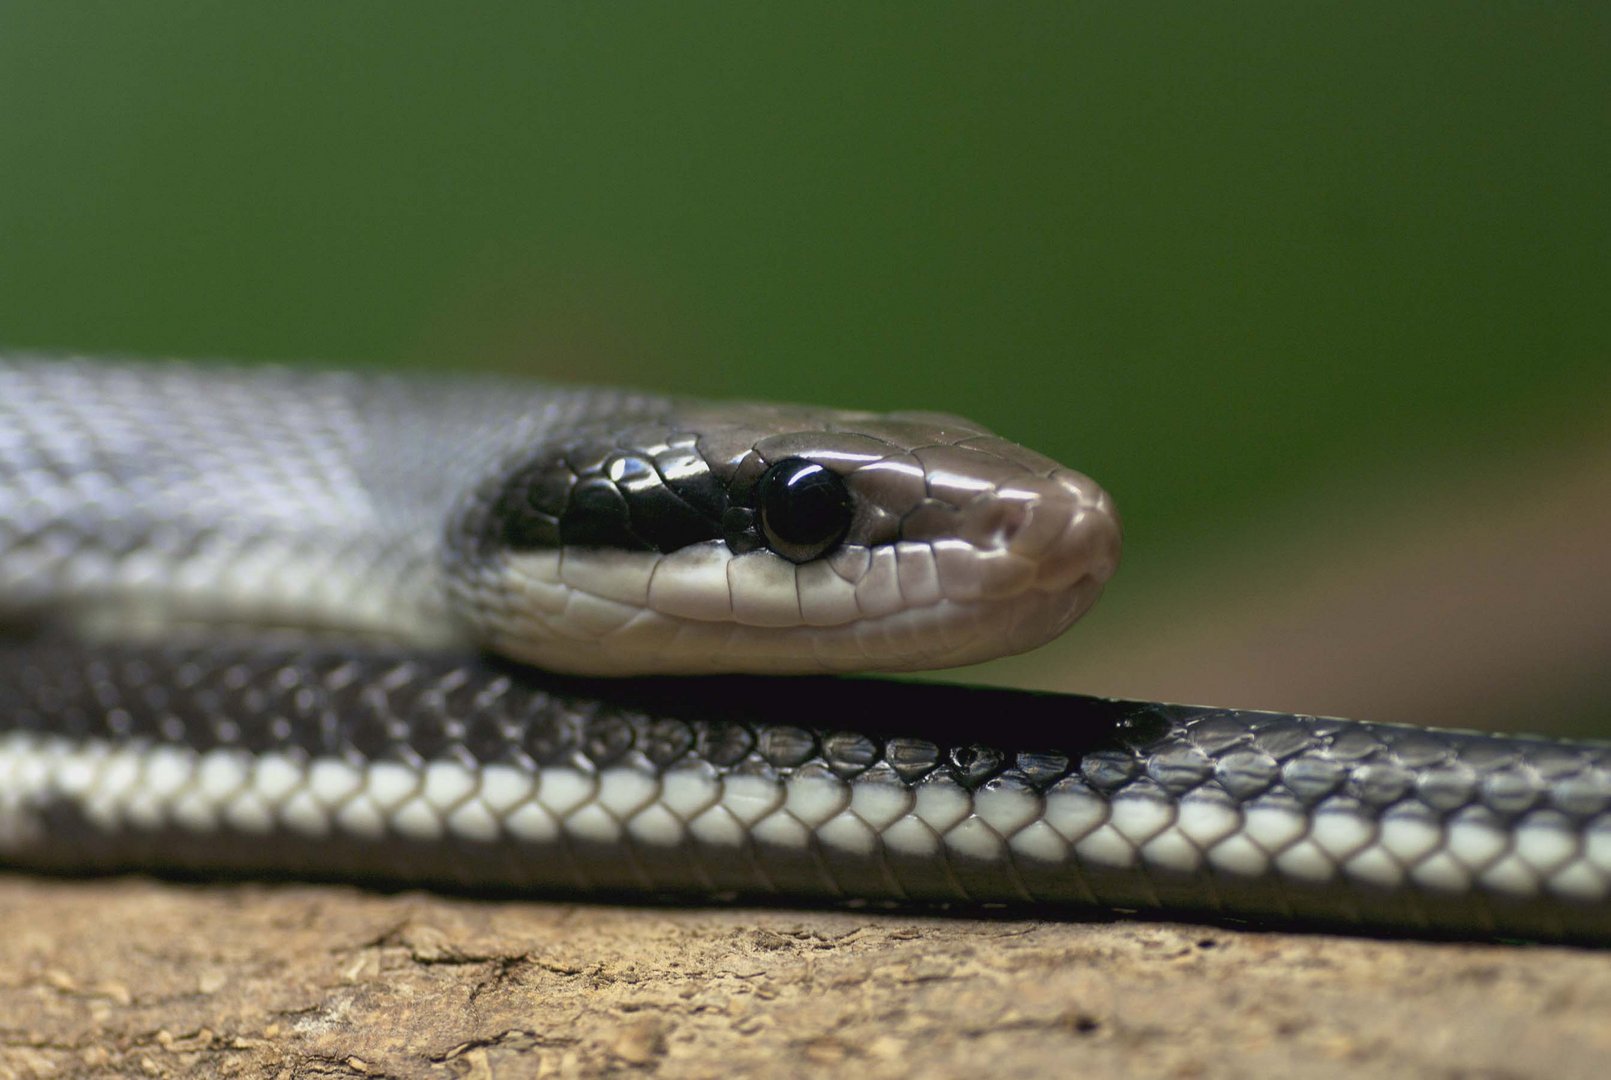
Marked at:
<point>1282,276</point>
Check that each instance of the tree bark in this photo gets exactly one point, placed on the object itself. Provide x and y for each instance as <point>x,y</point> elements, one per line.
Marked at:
<point>134,977</point>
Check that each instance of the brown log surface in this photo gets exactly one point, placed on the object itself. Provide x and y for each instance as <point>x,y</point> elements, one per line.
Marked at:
<point>128,977</point>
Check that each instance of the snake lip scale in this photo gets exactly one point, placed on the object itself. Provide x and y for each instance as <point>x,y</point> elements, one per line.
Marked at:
<point>247,615</point>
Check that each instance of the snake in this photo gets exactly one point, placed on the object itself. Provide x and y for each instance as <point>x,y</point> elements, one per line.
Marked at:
<point>497,635</point>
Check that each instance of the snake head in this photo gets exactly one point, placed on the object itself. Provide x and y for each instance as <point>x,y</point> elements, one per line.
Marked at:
<point>764,538</point>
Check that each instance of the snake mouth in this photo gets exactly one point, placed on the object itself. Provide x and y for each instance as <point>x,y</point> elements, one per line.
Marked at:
<point>634,641</point>
<point>1006,581</point>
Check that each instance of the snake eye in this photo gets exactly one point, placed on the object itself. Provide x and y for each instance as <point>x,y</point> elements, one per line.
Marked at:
<point>804,509</point>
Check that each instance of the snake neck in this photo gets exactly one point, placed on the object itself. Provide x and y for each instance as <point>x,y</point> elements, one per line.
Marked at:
<point>138,499</point>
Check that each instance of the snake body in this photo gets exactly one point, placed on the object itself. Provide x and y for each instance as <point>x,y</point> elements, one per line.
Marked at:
<point>251,618</point>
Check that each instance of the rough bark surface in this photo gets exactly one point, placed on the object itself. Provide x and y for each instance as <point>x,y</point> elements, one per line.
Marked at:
<point>129,977</point>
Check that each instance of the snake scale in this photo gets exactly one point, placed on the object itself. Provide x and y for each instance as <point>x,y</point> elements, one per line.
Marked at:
<point>284,622</point>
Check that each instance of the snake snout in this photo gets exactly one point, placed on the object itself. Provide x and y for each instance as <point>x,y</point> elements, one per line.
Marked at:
<point>1053,530</point>
<point>1074,532</point>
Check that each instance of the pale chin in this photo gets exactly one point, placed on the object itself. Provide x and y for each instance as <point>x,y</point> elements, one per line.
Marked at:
<point>947,634</point>
<point>703,610</point>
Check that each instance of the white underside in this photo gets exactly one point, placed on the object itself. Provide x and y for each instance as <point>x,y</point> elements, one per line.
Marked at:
<point>140,786</point>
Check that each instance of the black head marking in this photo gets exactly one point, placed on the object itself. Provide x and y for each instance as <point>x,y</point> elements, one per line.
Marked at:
<point>663,494</point>
<point>628,500</point>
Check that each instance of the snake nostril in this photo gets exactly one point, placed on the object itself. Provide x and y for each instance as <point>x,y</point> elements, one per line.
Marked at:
<point>1014,516</point>
<point>994,522</point>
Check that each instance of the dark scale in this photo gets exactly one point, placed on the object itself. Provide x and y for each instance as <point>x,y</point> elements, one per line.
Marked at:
<point>849,754</point>
<point>912,759</point>
<point>974,764</point>
<point>689,476</point>
<point>1313,778</point>
<point>661,511</point>
<point>738,529</point>
<point>527,510</point>
<point>598,516</point>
